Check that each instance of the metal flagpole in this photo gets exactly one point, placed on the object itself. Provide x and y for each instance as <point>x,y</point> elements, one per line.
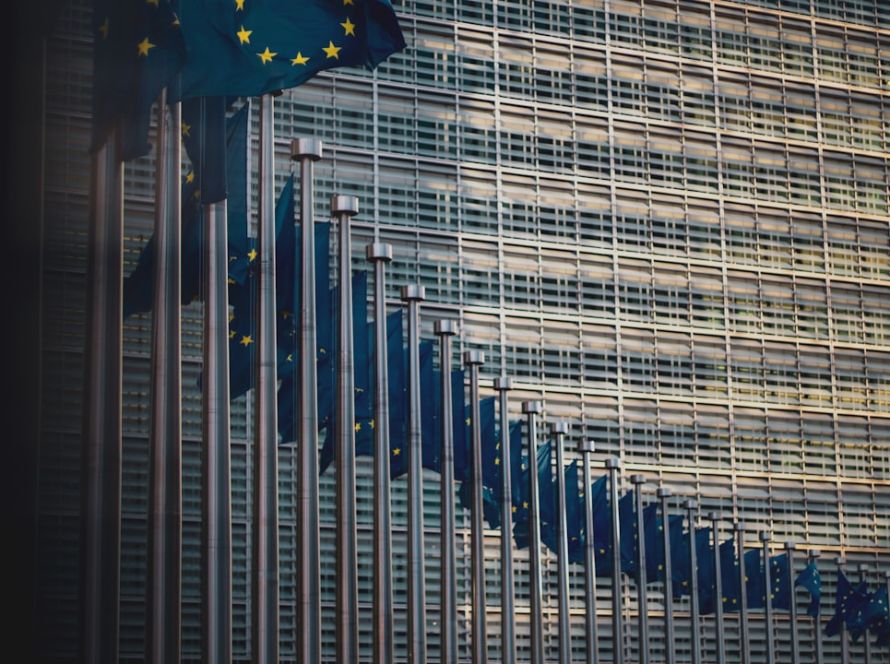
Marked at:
<point>265,458</point>
<point>380,254</point>
<point>670,650</point>
<point>840,561</point>
<point>613,466</point>
<point>308,623</point>
<point>745,645</point>
<point>768,599</point>
<point>813,557</point>
<point>642,600</point>
<point>586,449</point>
<point>216,605</point>
<point>101,451</point>
<point>503,385</point>
<point>343,208</point>
<point>163,587</point>
<point>445,329</point>
<point>694,610</point>
<point>412,296</point>
<point>795,639</point>
<point>558,431</point>
<point>718,590</point>
<point>473,359</point>
<point>863,574</point>
<point>531,409</point>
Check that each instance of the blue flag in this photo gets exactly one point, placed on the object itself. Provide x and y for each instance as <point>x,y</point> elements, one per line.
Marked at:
<point>729,576</point>
<point>574,514</point>
<point>602,525</point>
<point>248,48</point>
<point>398,395</point>
<point>877,616</point>
<point>546,498</point>
<point>848,602</point>
<point>707,572</point>
<point>810,579</point>
<point>204,137</point>
<point>460,412</point>
<point>780,580</point>
<point>139,49</point>
<point>681,572</point>
<point>490,477</point>
<point>755,584</point>
<point>521,514</point>
<point>627,524</point>
<point>430,432</point>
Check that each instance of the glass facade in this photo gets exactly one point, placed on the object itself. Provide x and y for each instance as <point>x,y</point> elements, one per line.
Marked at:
<point>667,219</point>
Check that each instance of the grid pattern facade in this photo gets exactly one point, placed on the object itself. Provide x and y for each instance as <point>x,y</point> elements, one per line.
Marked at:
<point>667,220</point>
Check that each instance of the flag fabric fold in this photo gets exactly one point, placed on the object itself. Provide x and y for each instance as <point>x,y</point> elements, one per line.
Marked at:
<point>811,580</point>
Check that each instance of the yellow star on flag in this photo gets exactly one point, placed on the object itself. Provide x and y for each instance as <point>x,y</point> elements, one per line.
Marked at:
<point>186,129</point>
<point>244,35</point>
<point>290,357</point>
<point>332,51</point>
<point>231,334</point>
<point>349,27</point>
<point>103,29</point>
<point>239,5</point>
<point>300,59</point>
<point>396,452</point>
<point>246,341</point>
<point>371,424</point>
<point>266,56</point>
<point>144,47</point>
<point>497,462</point>
<point>358,426</point>
<point>251,255</point>
<point>191,176</point>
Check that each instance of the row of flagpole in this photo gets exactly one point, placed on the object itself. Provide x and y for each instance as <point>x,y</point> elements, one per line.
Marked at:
<point>102,449</point>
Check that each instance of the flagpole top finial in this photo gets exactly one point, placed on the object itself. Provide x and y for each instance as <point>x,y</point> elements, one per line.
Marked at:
<point>445,327</point>
<point>663,492</point>
<point>341,204</point>
<point>815,553</point>
<point>306,147</point>
<point>503,383</point>
<point>713,516</point>
<point>531,407</point>
<point>559,428</point>
<point>586,447</point>
<point>739,526</point>
<point>414,292</point>
<point>474,358</point>
<point>379,251</point>
<point>790,546</point>
<point>638,479</point>
<point>764,536</point>
<point>864,568</point>
<point>691,504</point>
<point>613,464</point>
<point>840,561</point>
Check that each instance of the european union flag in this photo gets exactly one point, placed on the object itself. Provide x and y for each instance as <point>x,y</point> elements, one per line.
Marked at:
<point>250,47</point>
<point>602,525</point>
<point>810,579</point>
<point>707,572</point>
<point>877,616</point>
<point>204,137</point>
<point>729,576</point>
<point>460,413</point>
<point>574,514</point>
<point>780,580</point>
<point>681,572</point>
<point>490,490</point>
<point>431,434</point>
<point>516,466</point>
<point>546,496</point>
<point>755,581</point>
<point>139,49</point>
<point>363,353</point>
<point>398,395</point>
<point>848,603</point>
<point>627,524</point>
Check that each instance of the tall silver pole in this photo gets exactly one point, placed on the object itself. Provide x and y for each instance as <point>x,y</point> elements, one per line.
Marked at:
<point>473,359</point>
<point>216,604</point>
<point>768,601</point>
<point>795,638</point>
<point>586,448</point>
<point>841,563</point>
<point>745,645</point>
<point>613,466</point>
<point>718,590</point>
<point>504,384</point>
<point>343,208</point>
<point>694,609</point>
<point>265,449</point>
<point>163,587</point>
<point>813,557</point>
<point>642,599</point>
<point>531,409</point>
<point>558,430</point>
<point>863,575</point>
<point>308,620</point>
<point>380,254</point>
<point>445,329</point>
<point>413,296</point>
<point>101,452</point>
<point>664,494</point>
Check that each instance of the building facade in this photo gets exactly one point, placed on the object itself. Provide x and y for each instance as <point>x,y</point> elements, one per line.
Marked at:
<point>666,219</point>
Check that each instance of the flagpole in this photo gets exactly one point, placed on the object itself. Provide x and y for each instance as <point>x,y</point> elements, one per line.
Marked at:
<point>795,638</point>
<point>768,599</point>
<point>504,384</point>
<point>473,359</point>
<point>694,609</point>
<point>265,459</point>
<point>670,650</point>
<point>308,619</point>
<point>642,599</point>
<point>718,590</point>
<point>413,296</point>
<point>101,451</point>
<point>840,561</point>
<point>586,448</point>
<point>163,587</point>
<point>813,557</point>
<point>745,644</point>
<point>343,208</point>
<point>558,430</point>
<point>445,329</point>
<point>216,461</point>
<point>531,409</point>
<point>613,465</point>
<point>380,254</point>
<point>863,573</point>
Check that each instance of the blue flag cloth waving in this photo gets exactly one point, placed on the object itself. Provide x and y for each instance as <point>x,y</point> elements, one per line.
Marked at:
<point>810,579</point>
<point>250,47</point>
<point>847,604</point>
